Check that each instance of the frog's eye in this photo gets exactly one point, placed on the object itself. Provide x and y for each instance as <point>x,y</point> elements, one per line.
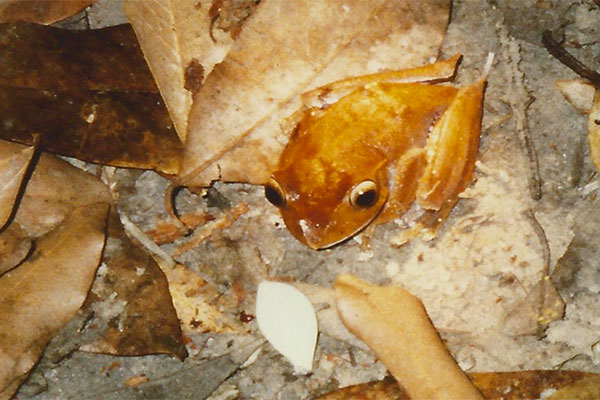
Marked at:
<point>364,195</point>
<point>274,193</point>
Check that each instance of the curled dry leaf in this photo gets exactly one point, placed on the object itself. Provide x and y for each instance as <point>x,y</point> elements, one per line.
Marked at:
<point>42,294</point>
<point>40,11</point>
<point>236,126</point>
<point>132,283</point>
<point>14,163</point>
<point>395,325</point>
<point>88,94</point>
<point>182,44</point>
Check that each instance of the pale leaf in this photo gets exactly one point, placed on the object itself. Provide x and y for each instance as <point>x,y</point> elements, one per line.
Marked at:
<point>287,319</point>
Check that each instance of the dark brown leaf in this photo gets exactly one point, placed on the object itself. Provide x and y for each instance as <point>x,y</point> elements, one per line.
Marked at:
<point>387,389</point>
<point>148,323</point>
<point>493,385</point>
<point>88,94</point>
<point>41,11</point>
<point>41,295</point>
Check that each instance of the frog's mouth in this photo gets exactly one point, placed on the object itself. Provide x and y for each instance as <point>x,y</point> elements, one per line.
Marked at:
<point>319,237</point>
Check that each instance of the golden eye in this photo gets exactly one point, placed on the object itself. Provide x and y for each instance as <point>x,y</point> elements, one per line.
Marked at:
<point>364,195</point>
<point>274,193</point>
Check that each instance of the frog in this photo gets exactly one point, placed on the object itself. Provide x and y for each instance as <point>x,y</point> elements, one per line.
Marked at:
<point>362,150</point>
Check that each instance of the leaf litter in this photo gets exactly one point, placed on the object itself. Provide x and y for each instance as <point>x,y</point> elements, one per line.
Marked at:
<point>276,263</point>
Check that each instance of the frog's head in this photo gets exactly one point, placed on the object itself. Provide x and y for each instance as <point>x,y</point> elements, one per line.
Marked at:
<point>327,206</point>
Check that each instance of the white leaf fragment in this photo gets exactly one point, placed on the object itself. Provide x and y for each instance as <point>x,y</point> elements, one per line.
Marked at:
<point>287,320</point>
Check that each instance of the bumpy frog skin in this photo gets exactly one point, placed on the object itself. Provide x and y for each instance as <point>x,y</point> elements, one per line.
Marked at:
<point>382,142</point>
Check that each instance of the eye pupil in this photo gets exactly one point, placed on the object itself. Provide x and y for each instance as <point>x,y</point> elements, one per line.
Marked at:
<point>366,199</point>
<point>364,194</point>
<point>274,194</point>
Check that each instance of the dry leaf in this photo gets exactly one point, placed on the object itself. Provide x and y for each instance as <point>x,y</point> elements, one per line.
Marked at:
<point>132,282</point>
<point>532,315</point>
<point>196,302</point>
<point>515,385</point>
<point>14,247</point>
<point>584,389</point>
<point>387,389</point>
<point>14,163</point>
<point>42,294</point>
<point>182,43</point>
<point>40,11</point>
<point>54,189</point>
<point>235,130</point>
<point>88,94</point>
<point>395,325</point>
<point>519,385</point>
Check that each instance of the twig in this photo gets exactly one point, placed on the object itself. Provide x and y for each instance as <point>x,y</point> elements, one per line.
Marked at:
<point>568,60</point>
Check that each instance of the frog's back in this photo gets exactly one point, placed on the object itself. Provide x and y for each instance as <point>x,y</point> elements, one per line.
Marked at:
<point>374,124</point>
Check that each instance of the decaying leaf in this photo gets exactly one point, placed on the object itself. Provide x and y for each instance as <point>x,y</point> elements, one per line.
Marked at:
<point>134,289</point>
<point>196,302</point>
<point>40,11</point>
<point>14,163</point>
<point>42,294</point>
<point>594,130</point>
<point>515,385</point>
<point>395,325</point>
<point>182,42</point>
<point>531,315</point>
<point>237,122</point>
<point>88,94</point>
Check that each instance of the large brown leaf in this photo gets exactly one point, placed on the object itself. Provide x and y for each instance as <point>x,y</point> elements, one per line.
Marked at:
<point>54,189</point>
<point>148,323</point>
<point>88,94</point>
<point>40,11</point>
<point>14,162</point>
<point>237,122</point>
<point>14,247</point>
<point>41,295</point>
